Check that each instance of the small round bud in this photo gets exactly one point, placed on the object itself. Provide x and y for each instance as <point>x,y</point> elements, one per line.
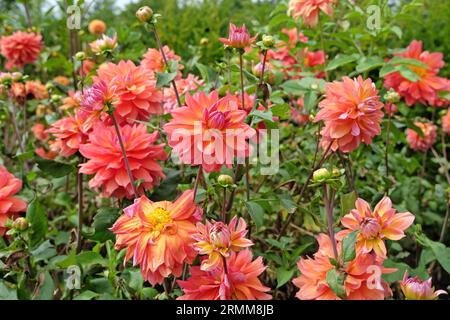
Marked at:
<point>314,86</point>
<point>5,76</point>
<point>56,97</point>
<point>268,41</point>
<point>144,14</point>
<point>20,224</point>
<point>336,172</point>
<point>49,86</point>
<point>225,180</point>
<point>321,175</point>
<point>16,76</point>
<point>204,41</point>
<point>392,96</point>
<point>80,56</point>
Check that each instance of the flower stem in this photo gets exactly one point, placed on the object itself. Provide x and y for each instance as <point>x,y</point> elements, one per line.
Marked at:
<point>228,69</point>
<point>224,206</point>
<point>125,158</point>
<point>197,180</point>
<point>158,42</point>
<point>329,205</point>
<point>80,206</point>
<point>12,117</point>
<point>225,267</point>
<point>261,78</point>
<point>386,154</point>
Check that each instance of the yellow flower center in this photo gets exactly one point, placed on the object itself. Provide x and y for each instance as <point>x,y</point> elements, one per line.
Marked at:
<point>421,72</point>
<point>159,219</point>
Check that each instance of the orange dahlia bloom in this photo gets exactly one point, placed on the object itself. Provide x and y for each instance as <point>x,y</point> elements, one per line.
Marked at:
<point>218,240</point>
<point>72,101</point>
<point>416,289</point>
<point>36,90</point>
<point>239,282</point>
<point>375,226</point>
<point>62,80</point>
<point>69,134</point>
<point>104,44</point>
<point>358,282</point>
<point>154,61</point>
<point>20,48</point>
<point>418,143</point>
<point>97,27</point>
<point>40,132</point>
<point>137,96</point>
<point>309,10</point>
<point>158,235</point>
<point>10,206</point>
<point>188,84</point>
<point>351,112</point>
<point>238,37</point>
<point>209,131</point>
<point>446,122</point>
<point>106,161</point>
<point>426,89</point>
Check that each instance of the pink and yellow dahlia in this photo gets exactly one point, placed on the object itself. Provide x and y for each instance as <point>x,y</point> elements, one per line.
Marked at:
<point>375,226</point>
<point>10,206</point>
<point>209,131</point>
<point>351,112</point>
<point>158,235</point>
<point>104,44</point>
<point>218,240</point>
<point>20,48</point>
<point>309,10</point>
<point>238,37</point>
<point>107,164</point>
<point>239,281</point>
<point>418,143</point>
<point>426,89</point>
<point>358,282</point>
<point>417,289</point>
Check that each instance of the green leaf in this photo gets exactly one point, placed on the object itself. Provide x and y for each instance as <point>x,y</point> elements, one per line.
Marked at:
<point>335,281</point>
<point>89,259</point>
<point>397,60</point>
<point>46,288</point>
<point>310,101</point>
<point>7,293</point>
<point>442,254</point>
<point>45,251</point>
<point>408,73</point>
<point>163,79</point>
<point>369,63</point>
<point>283,111</point>
<point>348,202</point>
<point>283,276</point>
<point>341,60</point>
<point>387,69</point>
<point>54,168</point>
<point>256,212</point>
<point>38,222</point>
<point>397,31</point>
<point>86,295</point>
<point>103,220</point>
<point>348,246</point>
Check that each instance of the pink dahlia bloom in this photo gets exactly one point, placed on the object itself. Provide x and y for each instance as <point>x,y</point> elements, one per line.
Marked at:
<point>218,240</point>
<point>20,48</point>
<point>417,289</point>
<point>154,61</point>
<point>209,131</point>
<point>136,95</point>
<point>107,164</point>
<point>351,112</point>
<point>186,85</point>
<point>426,89</point>
<point>309,10</point>
<point>238,38</point>
<point>374,227</point>
<point>446,122</point>
<point>10,206</point>
<point>239,282</point>
<point>40,132</point>
<point>357,281</point>
<point>36,90</point>
<point>104,44</point>
<point>418,143</point>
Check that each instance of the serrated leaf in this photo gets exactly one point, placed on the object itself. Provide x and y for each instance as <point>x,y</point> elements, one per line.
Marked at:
<point>54,168</point>
<point>348,202</point>
<point>163,79</point>
<point>341,60</point>
<point>256,212</point>
<point>335,281</point>
<point>348,246</point>
<point>38,222</point>
<point>283,276</point>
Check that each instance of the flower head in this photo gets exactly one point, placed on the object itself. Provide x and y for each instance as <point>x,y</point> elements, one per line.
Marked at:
<point>375,226</point>
<point>137,95</point>
<point>62,80</point>
<point>446,122</point>
<point>107,164</point>
<point>416,289</point>
<point>97,27</point>
<point>184,85</point>
<point>154,61</point>
<point>158,235</point>
<point>309,10</point>
<point>39,132</point>
<point>218,240</point>
<point>418,143</point>
<point>239,282</point>
<point>357,275</point>
<point>35,90</point>
<point>20,48</point>
<point>209,131</point>
<point>426,89</point>
<point>10,206</point>
<point>351,112</point>
<point>104,44</point>
<point>238,38</point>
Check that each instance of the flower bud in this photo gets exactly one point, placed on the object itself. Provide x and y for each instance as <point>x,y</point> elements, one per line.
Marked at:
<point>16,76</point>
<point>268,41</point>
<point>80,56</point>
<point>204,41</point>
<point>56,97</point>
<point>392,96</point>
<point>321,175</point>
<point>225,180</point>
<point>336,172</point>
<point>144,14</point>
<point>5,77</point>
<point>20,224</point>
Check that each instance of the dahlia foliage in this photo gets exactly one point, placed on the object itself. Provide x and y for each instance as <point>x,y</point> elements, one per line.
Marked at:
<point>305,157</point>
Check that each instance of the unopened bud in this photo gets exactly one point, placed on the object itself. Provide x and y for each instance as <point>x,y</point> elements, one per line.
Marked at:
<point>20,224</point>
<point>144,14</point>
<point>16,76</point>
<point>80,56</point>
<point>321,175</point>
<point>204,41</point>
<point>225,180</point>
<point>392,96</point>
<point>268,41</point>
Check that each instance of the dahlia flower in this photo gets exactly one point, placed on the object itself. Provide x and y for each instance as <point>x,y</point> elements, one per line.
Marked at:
<point>375,226</point>
<point>239,281</point>
<point>43,153</point>
<point>218,240</point>
<point>97,27</point>
<point>358,283</point>
<point>238,38</point>
<point>416,289</point>
<point>39,132</point>
<point>137,96</point>
<point>20,48</point>
<point>418,143</point>
<point>10,206</point>
<point>86,67</point>
<point>72,101</point>
<point>426,89</point>
<point>190,83</point>
<point>312,59</point>
<point>154,61</point>
<point>446,122</point>
<point>69,134</point>
<point>209,131</point>
<point>158,235</point>
<point>106,161</point>
<point>104,44</point>
<point>309,10</point>
<point>35,90</point>
<point>351,112</point>
<point>62,80</point>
